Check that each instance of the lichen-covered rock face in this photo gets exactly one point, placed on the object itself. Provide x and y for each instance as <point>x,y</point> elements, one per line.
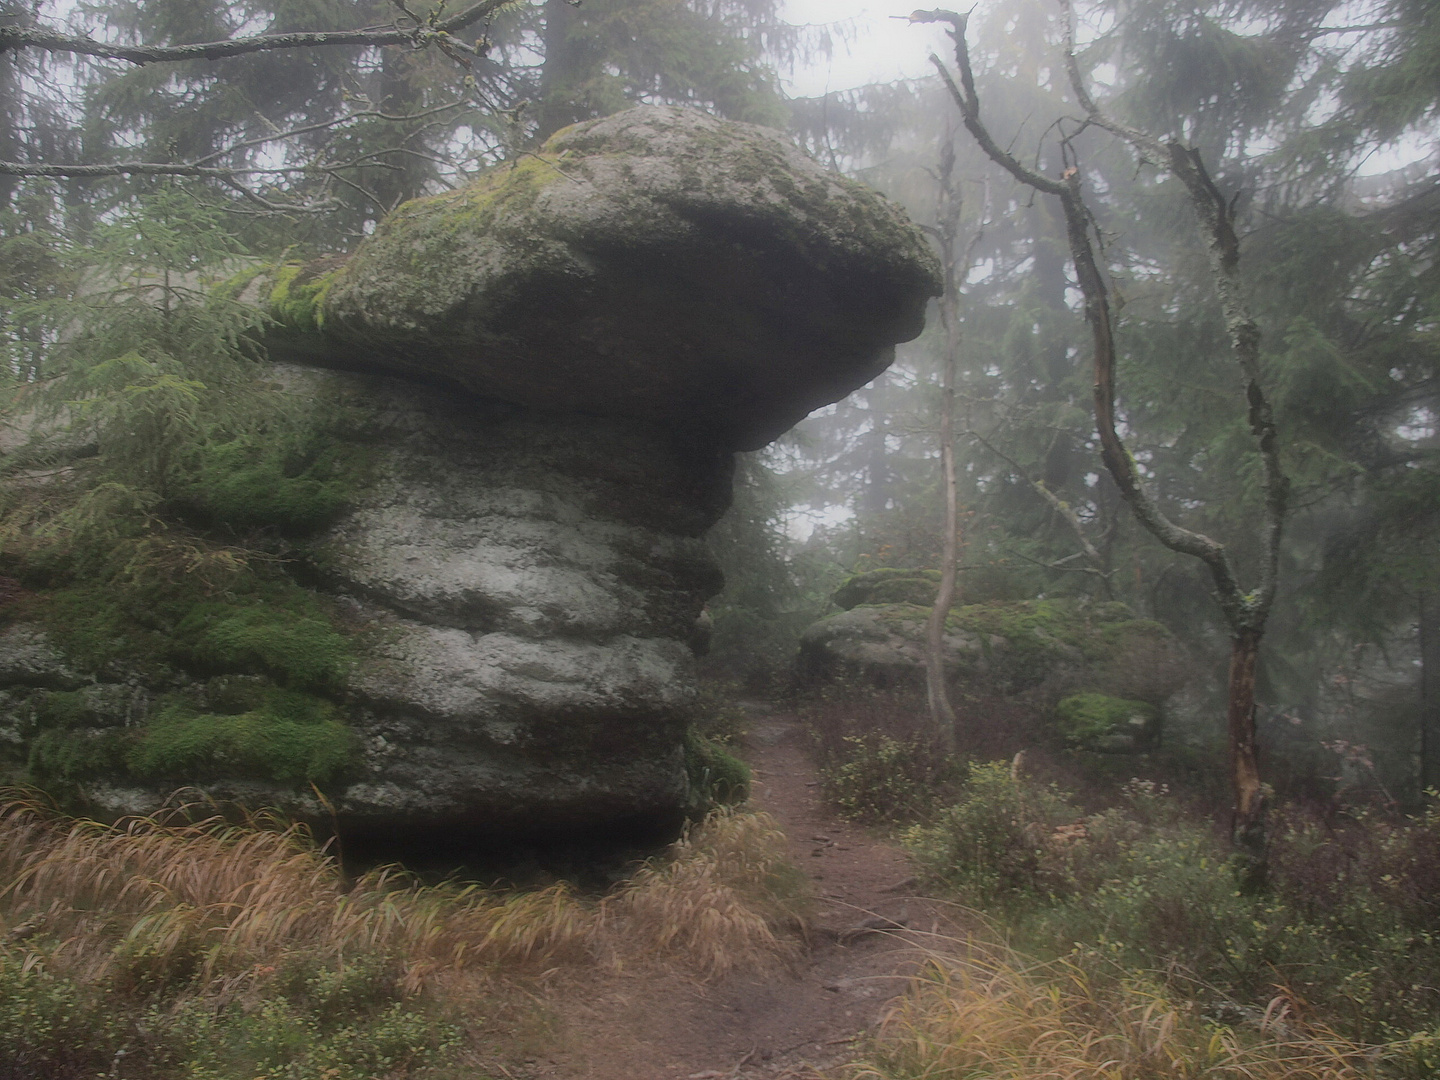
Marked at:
<point>530,582</point>
<point>498,627</point>
<point>658,264</point>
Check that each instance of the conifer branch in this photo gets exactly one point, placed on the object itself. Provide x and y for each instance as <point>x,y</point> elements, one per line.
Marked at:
<point>426,32</point>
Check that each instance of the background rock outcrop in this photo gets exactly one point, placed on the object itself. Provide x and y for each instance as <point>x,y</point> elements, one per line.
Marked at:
<point>463,602</point>
<point>1101,674</point>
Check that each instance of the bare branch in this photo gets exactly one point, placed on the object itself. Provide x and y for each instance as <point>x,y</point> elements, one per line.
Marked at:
<point>321,207</point>
<point>125,168</point>
<point>968,99</point>
<point>423,34</point>
<point>1059,505</point>
<point>1217,220</point>
<point>323,125</point>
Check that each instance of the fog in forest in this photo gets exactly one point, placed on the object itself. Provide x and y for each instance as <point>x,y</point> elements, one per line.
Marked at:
<point>435,641</point>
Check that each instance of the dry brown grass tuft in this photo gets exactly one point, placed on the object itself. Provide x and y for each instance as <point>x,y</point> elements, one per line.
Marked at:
<point>149,900</point>
<point>988,1015</point>
<point>722,900</point>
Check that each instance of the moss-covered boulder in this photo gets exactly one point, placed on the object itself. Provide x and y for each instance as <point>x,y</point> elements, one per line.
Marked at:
<point>1047,650</point>
<point>658,264</point>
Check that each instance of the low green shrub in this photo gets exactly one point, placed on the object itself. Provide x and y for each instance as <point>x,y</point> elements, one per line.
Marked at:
<point>1415,1057</point>
<point>998,842</point>
<point>51,1026</point>
<point>880,779</point>
<point>283,1039</point>
<point>340,1022</point>
<point>717,715</point>
<point>1091,720</point>
<point>1349,930</point>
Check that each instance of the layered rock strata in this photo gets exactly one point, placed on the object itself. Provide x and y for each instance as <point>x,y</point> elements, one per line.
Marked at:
<point>530,581</point>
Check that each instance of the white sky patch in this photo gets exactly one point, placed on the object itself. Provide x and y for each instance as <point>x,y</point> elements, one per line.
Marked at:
<point>1409,148</point>
<point>879,48</point>
<point>801,522</point>
<point>1418,426</point>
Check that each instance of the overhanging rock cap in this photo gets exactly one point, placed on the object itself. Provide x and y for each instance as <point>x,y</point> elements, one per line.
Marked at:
<point>659,264</point>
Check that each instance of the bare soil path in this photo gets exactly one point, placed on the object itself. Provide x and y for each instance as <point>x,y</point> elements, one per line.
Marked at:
<point>779,1023</point>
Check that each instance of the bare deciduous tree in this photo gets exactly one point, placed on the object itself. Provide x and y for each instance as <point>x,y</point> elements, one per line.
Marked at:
<point>956,265</point>
<point>1245,610</point>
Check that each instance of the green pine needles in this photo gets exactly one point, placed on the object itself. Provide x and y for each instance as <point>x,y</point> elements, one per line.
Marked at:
<point>153,517</point>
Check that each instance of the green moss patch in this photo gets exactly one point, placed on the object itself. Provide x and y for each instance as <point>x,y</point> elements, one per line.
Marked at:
<point>431,231</point>
<point>297,295</point>
<point>888,585</point>
<point>293,740</point>
<point>1024,642</point>
<point>1041,630</point>
<point>286,737</point>
<point>1092,720</point>
<point>253,482</point>
<point>1041,624</point>
<point>62,755</point>
<point>716,775</point>
<point>263,627</point>
<point>93,627</point>
<point>287,637</point>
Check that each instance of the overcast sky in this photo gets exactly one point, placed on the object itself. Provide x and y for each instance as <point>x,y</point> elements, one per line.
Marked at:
<point>881,48</point>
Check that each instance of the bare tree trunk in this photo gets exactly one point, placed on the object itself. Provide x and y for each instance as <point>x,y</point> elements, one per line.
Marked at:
<point>1247,825</point>
<point>957,268</point>
<point>1429,692</point>
<point>942,713</point>
<point>1246,610</point>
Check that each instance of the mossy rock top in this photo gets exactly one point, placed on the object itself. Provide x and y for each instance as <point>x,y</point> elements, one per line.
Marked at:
<point>659,264</point>
<point>888,585</point>
<point>1010,646</point>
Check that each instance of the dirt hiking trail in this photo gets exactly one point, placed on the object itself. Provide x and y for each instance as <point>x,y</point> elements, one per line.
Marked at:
<point>868,935</point>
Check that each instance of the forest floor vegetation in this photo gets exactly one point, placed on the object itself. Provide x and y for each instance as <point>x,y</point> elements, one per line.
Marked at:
<point>206,950</point>
<point>781,939</point>
<point>1126,899</point>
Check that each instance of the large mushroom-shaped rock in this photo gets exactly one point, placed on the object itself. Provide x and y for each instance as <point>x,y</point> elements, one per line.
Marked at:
<point>494,555</point>
<point>658,264</point>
